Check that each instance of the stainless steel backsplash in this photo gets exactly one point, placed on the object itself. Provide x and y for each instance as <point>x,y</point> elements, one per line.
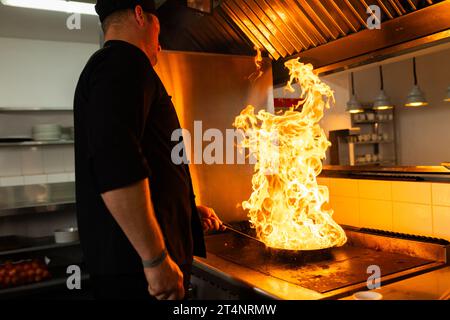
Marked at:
<point>214,89</point>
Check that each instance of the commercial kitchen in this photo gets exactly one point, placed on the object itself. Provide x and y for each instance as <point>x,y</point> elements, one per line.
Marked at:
<point>350,99</point>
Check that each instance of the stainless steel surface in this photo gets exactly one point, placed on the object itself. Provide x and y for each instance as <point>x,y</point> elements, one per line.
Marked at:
<point>38,198</point>
<point>36,143</point>
<point>411,32</point>
<point>214,89</point>
<point>10,245</point>
<point>438,170</point>
<point>286,27</point>
<point>433,285</point>
<point>345,274</point>
<point>37,109</point>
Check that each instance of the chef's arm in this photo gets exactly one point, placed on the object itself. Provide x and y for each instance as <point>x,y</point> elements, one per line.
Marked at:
<point>132,208</point>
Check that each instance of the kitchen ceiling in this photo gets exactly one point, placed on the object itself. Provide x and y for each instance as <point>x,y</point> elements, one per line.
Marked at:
<point>325,32</point>
<point>280,27</point>
<point>328,33</point>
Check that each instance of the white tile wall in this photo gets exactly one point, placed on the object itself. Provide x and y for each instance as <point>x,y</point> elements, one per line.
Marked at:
<point>54,161</point>
<point>441,222</point>
<point>419,208</point>
<point>346,210</point>
<point>20,166</point>
<point>69,158</point>
<point>414,192</point>
<point>10,162</point>
<point>413,218</point>
<point>376,214</point>
<point>375,189</point>
<point>32,161</point>
<point>441,194</point>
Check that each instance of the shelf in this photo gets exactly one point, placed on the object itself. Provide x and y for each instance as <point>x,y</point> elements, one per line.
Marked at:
<point>36,143</point>
<point>373,142</point>
<point>25,245</point>
<point>373,163</point>
<point>39,198</point>
<point>59,279</point>
<point>15,110</point>
<point>39,208</point>
<point>54,282</point>
<point>374,121</point>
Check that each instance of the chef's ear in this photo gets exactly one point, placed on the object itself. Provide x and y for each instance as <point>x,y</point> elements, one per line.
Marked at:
<point>139,15</point>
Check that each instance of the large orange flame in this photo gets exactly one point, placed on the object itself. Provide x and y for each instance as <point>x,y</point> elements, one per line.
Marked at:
<point>287,205</point>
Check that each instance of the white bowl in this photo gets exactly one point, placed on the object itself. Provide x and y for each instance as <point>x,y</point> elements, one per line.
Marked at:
<point>367,295</point>
<point>66,235</point>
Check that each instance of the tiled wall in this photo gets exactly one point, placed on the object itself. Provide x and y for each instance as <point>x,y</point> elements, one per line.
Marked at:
<point>31,165</point>
<point>419,208</point>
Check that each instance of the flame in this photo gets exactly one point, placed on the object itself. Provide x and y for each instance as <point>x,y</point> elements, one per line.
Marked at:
<point>286,206</point>
<point>259,65</point>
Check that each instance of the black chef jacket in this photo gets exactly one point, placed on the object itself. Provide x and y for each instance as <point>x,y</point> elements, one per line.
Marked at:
<point>124,120</point>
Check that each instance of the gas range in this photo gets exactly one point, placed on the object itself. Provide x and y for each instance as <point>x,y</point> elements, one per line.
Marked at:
<point>240,267</point>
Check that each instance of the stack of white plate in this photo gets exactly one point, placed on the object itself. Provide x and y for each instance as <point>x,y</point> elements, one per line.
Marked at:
<point>46,132</point>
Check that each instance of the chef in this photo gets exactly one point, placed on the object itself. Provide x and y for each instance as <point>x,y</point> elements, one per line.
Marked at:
<point>138,222</point>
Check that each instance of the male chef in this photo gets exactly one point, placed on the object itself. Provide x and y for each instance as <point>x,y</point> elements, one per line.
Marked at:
<point>138,222</point>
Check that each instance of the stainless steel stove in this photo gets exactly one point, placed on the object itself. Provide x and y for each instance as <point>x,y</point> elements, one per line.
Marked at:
<point>240,267</point>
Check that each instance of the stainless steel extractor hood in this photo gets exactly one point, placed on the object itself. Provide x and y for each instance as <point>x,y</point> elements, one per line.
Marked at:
<point>331,34</point>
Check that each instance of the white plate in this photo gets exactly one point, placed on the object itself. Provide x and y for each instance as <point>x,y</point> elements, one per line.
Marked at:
<point>367,295</point>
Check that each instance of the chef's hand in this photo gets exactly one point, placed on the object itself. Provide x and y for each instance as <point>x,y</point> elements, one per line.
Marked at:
<point>165,282</point>
<point>210,220</point>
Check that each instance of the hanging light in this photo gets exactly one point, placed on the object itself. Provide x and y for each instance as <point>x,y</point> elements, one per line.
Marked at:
<point>353,106</point>
<point>382,101</point>
<point>416,98</point>
<point>448,95</point>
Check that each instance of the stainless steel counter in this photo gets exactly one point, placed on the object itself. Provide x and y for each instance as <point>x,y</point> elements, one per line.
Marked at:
<point>37,198</point>
<point>433,285</point>
<point>260,284</point>
<point>402,173</point>
<point>429,286</point>
<point>234,266</point>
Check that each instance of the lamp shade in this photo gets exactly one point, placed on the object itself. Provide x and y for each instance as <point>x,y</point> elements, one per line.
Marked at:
<point>382,102</point>
<point>353,106</point>
<point>416,98</point>
<point>447,98</point>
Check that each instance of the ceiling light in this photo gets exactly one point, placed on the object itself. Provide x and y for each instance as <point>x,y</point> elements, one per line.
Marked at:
<point>448,95</point>
<point>353,106</point>
<point>416,97</point>
<point>54,5</point>
<point>382,101</point>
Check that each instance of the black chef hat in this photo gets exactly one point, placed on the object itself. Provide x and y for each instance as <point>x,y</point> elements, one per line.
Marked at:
<point>105,7</point>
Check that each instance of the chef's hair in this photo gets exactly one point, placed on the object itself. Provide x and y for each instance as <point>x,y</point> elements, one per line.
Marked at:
<point>119,17</point>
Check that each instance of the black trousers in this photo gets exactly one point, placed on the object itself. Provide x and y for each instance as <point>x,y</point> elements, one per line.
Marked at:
<point>124,287</point>
<point>120,287</point>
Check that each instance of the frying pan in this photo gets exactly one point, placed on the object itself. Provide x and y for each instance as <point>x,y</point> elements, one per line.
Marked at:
<point>287,255</point>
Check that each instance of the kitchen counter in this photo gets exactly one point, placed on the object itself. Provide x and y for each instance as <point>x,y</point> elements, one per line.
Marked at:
<point>429,286</point>
<point>248,279</point>
<point>236,265</point>
<point>402,173</point>
<point>37,198</point>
